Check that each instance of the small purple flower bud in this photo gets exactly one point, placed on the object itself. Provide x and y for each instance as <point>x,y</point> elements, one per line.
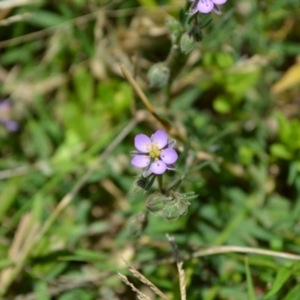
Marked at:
<point>12,126</point>
<point>206,6</point>
<point>5,110</point>
<point>6,116</point>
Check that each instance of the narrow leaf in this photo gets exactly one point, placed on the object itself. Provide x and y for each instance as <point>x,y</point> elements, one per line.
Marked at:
<point>293,294</point>
<point>250,288</point>
<point>282,276</point>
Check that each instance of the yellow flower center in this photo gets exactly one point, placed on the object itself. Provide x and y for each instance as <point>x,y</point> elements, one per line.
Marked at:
<point>154,150</point>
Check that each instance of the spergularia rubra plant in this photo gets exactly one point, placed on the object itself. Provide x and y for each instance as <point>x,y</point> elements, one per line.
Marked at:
<point>155,155</point>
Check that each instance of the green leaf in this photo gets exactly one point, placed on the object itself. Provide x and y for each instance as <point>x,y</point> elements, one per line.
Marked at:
<point>293,294</point>
<point>221,105</point>
<point>282,276</point>
<point>250,287</point>
<point>46,19</point>
<point>147,3</point>
<point>237,83</point>
<point>246,155</point>
<point>4,263</point>
<point>224,60</point>
<point>77,293</point>
<point>88,255</point>
<point>280,151</point>
<point>293,172</point>
<point>40,141</point>
<point>41,291</point>
<point>171,211</point>
<point>8,195</point>
<point>84,86</point>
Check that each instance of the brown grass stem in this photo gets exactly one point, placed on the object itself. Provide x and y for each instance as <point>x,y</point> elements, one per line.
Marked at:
<point>143,97</point>
<point>127,282</point>
<point>233,249</point>
<point>179,263</point>
<point>144,280</point>
<point>241,249</point>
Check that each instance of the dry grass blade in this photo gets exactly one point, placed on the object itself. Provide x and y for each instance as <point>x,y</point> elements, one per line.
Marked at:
<point>23,239</point>
<point>45,32</point>
<point>140,294</point>
<point>241,249</point>
<point>143,97</point>
<point>179,262</point>
<point>15,19</point>
<point>182,281</point>
<point>15,3</point>
<point>144,280</point>
<point>233,249</point>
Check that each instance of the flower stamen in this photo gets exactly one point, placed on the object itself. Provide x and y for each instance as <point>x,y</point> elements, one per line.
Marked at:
<point>155,151</point>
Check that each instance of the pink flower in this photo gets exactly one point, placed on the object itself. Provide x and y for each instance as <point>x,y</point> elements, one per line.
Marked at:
<point>206,6</point>
<point>6,116</point>
<point>154,155</point>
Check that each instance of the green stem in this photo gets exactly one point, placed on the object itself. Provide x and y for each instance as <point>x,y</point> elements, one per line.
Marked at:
<point>176,59</point>
<point>175,62</point>
<point>160,183</point>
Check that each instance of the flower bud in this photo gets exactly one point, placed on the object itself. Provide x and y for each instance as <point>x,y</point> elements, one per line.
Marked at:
<point>171,211</point>
<point>196,33</point>
<point>138,186</point>
<point>187,43</point>
<point>182,207</point>
<point>158,75</point>
<point>174,27</point>
<point>156,202</point>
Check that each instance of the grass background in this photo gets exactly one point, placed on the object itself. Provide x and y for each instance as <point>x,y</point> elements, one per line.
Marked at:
<point>66,210</point>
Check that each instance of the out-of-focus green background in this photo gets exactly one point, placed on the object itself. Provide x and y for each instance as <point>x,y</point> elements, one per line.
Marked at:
<point>67,215</point>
